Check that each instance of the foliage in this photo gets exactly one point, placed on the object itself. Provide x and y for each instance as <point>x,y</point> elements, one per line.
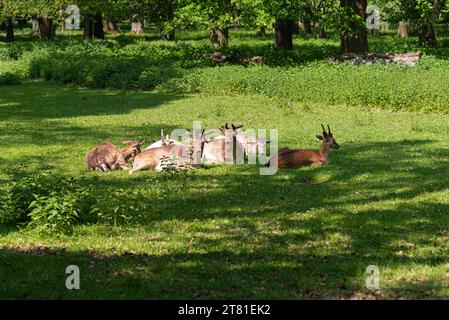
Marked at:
<point>9,78</point>
<point>56,205</point>
<point>58,212</point>
<point>121,207</point>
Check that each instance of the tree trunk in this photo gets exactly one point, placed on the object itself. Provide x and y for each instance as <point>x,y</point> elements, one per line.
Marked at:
<point>355,41</point>
<point>93,26</point>
<point>219,37</point>
<point>171,16</point>
<point>402,30</point>
<point>46,28</point>
<point>21,23</point>
<point>98,26</point>
<point>283,34</point>
<point>9,27</point>
<point>427,35</point>
<point>88,32</point>
<point>261,32</point>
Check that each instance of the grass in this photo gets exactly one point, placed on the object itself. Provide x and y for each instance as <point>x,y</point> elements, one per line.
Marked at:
<point>225,231</point>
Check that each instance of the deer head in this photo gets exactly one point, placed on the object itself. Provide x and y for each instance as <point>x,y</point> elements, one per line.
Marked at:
<point>328,138</point>
<point>132,150</point>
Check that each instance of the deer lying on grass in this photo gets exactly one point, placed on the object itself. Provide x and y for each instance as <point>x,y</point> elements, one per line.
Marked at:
<point>224,147</point>
<point>155,158</point>
<point>107,156</point>
<point>296,158</point>
<point>252,145</point>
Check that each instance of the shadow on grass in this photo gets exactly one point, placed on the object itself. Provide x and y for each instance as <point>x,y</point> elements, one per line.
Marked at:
<point>19,102</point>
<point>263,274</point>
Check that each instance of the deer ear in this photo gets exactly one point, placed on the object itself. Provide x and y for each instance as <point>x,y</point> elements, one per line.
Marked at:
<point>319,137</point>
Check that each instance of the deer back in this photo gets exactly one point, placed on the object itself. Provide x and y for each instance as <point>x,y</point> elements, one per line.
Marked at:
<point>295,158</point>
<point>150,158</point>
<point>105,156</point>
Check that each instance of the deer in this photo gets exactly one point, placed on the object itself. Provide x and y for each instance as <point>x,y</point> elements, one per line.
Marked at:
<point>155,158</point>
<point>218,150</point>
<point>163,142</point>
<point>107,156</point>
<point>252,145</point>
<point>296,158</point>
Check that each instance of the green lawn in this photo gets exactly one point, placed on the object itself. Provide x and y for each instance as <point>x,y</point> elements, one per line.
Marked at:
<point>225,231</point>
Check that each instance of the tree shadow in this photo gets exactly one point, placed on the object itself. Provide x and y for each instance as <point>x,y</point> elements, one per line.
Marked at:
<point>40,274</point>
<point>19,102</point>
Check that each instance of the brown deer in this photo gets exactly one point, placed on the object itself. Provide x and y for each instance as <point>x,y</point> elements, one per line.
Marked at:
<point>151,158</point>
<point>107,156</point>
<point>296,158</point>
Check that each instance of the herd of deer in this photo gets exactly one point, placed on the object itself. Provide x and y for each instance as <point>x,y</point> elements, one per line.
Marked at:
<point>225,147</point>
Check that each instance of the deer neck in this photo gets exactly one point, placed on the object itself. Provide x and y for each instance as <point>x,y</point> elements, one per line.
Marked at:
<point>325,150</point>
<point>126,152</point>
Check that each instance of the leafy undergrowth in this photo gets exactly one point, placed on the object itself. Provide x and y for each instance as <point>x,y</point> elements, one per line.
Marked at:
<point>224,231</point>
<point>302,75</point>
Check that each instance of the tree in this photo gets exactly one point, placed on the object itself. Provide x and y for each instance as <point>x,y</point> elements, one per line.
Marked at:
<point>286,14</point>
<point>92,16</point>
<point>354,35</point>
<point>252,13</point>
<point>46,13</point>
<point>9,11</point>
<point>424,15</point>
<point>216,15</point>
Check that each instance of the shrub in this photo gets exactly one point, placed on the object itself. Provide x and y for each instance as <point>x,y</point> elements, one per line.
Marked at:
<point>16,197</point>
<point>9,78</point>
<point>51,204</point>
<point>58,212</point>
<point>30,199</point>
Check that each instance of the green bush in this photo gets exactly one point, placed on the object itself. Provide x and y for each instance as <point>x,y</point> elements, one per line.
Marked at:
<point>153,77</point>
<point>58,212</point>
<point>9,78</point>
<point>50,204</point>
<point>17,195</point>
<point>184,67</point>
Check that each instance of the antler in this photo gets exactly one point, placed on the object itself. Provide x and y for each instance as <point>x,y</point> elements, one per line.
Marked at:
<point>324,130</point>
<point>329,128</point>
<point>162,136</point>
<point>236,126</point>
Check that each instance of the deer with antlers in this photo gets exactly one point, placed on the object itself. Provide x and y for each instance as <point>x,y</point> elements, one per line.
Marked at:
<point>296,158</point>
<point>224,148</point>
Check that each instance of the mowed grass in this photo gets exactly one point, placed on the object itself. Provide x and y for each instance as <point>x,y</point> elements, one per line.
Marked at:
<point>224,231</point>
